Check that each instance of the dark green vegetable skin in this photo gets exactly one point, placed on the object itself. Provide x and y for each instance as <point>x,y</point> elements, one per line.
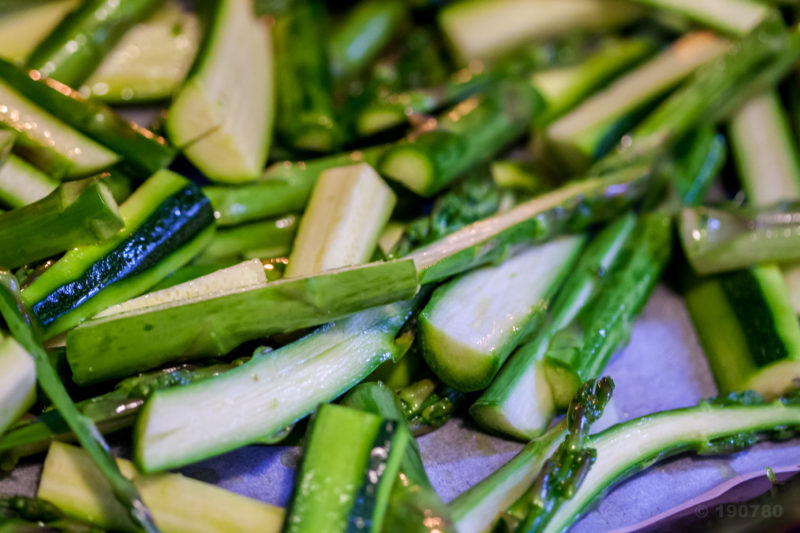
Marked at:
<point>305,118</point>
<point>144,151</point>
<point>19,514</point>
<point>82,39</point>
<point>175,222</point>
<point>15,315</point>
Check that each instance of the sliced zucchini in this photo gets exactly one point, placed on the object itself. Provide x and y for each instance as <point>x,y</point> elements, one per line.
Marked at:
<point>591,129</point>
<point>150,61</point>
<point>748,330</point>
<point>22,184</point>
<point>222,116</point>
<point>214,324</point>
<point>167,222</point>
<point>343,220</point>
<point>472,323</point>
<point>244,275</point>
<point>268,393</point>
<point>23,28</point>
<point>179,504</point>
<point>735,17</point>
<point>17,381</point>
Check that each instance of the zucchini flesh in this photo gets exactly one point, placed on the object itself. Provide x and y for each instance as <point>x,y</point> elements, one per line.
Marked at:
<point>748,331</point>
<point>735,17</point>
<point>17,382</point>
<point>591,129</point>
<point>80,41</point>
<point>627,448</point>
<point>215,324</point>
<point>150,61</point>
<point>222,125</point>
<point>342,222</point>
<point>49,137</point>
<point>22,184</point>
<point>167,221</point>
<point>179,504</point>
<point>247,274</point>
<point>77,213</point>
<point>472,323</point>
<point>23,28</point>
<point>486,29</point>
<point>273,390</point>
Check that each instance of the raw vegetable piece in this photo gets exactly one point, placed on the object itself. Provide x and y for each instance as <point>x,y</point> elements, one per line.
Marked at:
<point>748,331</point>
<point>22,184</point>
<point>75,214</point>
<point>349,466</point>
<point>167,221</point>
<point>696,162</point>
<point>222,116</point>
<point>519,401</point>
<point>23,28</point>
<point>724,239</point>
<point>570,208</point>
<point>735,17</point>
<point>591,129</point>
<point>181,505</point>
<point>57,109</point>
<point>344,218</point>
<point>270,238</point>
<point>15,314</point>
<point>720,426</point>
<point>110,412</point>
<point>247,274</point>
<point>472,323</point>
<point>150,61</point>
<point>283,188</point>
<point>81,40</point>
<point>472,132</point>
<point>413,500</point>
<point>429,404</point>
<point>564,472</point>
<point>17,382</point>
<point>581,349</point>
<point>214,324</point>
<point>273,390</point>
<point>305,117</point>
<point>362,34</point>
<point>768,163</point>
<point>30,514</point>
<point>486,29</point>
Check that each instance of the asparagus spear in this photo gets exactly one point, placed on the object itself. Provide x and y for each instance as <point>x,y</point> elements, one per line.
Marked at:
<point>77,213</point>
<point>735,17</point>
<point>265,239</point>
<point>80,42</point>
<point>21,514</point>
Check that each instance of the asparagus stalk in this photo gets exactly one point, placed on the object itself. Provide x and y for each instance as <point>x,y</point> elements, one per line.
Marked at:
<point>266,239</point>
<point>487,29</point>
<point>362,34</point>
<point>719,240</point>
<point>21,514</point>
<point>472,132</point>
<point>218,322</point>
<point>110,412</point>
<point>305,118</point>
<point>283,188</point>
<point>345,215</point>
<point>697,160</point>
<point>15,315</point>
<point>77,213</point>
<point>734,17</point>
<point>82,39</point>
<point>180,504</point>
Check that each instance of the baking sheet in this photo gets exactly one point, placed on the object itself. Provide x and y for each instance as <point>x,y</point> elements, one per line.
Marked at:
<point>662,368</point>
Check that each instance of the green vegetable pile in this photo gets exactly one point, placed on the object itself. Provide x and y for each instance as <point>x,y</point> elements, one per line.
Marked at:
<point>353,221</point>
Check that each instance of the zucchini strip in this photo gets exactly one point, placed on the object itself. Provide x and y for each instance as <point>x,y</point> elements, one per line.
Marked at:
<point>82,39</point>
<point>271,391</point>
<point>77,213</point>
<point>23,28</point>
<point>22,184</point>
<point>214,324</point>
<point>734,17</point>
<point>17,382</point>
<point>222,125</point>
<point>179,504</point>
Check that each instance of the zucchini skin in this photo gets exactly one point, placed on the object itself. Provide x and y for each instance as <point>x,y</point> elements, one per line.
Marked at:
<point>144,151</point>
<point>81,40</point>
